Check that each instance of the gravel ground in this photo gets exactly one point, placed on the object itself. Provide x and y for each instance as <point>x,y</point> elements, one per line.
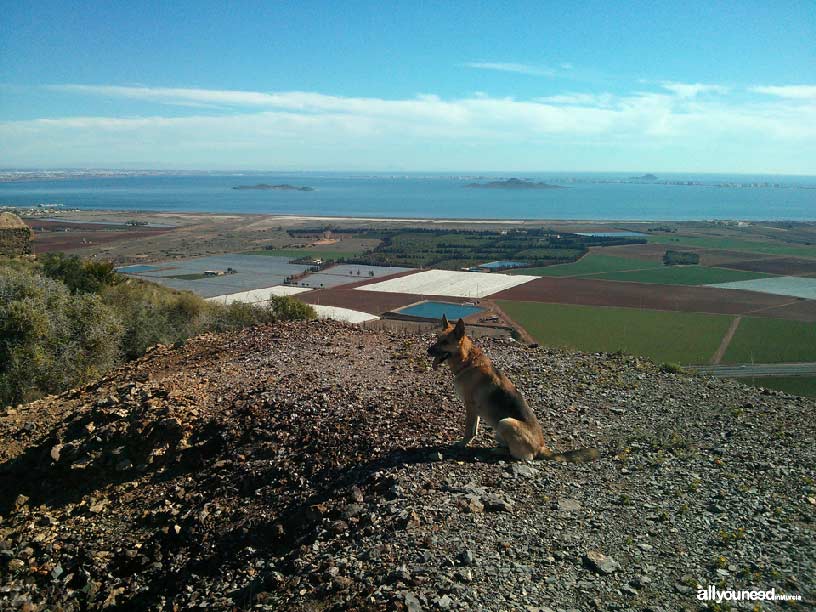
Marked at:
<point>309,466</point>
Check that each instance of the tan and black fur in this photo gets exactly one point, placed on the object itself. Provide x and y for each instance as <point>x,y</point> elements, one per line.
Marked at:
<point>488,394</point>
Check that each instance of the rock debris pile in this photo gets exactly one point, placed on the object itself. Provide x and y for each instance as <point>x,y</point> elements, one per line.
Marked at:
<point>307,466</point>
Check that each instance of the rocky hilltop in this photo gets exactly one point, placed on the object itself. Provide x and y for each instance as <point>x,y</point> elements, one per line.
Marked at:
<point>309,466</point>
<point>15,236</point>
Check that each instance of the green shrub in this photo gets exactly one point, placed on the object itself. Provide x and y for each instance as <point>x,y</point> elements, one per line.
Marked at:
<point>239,315</point>
<point>671,368</point>
<point>83,275</point>
<point>51,340</point>
<point>65,321</point>
<point>680,258</point>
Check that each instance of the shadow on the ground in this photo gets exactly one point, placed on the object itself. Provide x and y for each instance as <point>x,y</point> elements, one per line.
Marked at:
<point>295,525</point>
<point>56,482</point>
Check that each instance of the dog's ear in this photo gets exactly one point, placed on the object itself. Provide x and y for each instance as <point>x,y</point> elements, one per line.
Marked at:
<point>459,330</point>
<point>445,322</point>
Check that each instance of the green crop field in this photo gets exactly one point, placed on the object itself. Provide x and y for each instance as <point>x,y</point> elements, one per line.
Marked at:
<point>682,275</point>
<point>591,264</point>
<point>761,340</point>
<point>795,385</point>
<point>678,337</point>
<point>770,247</point>
<point>610,267</point>
<point>328,255</point>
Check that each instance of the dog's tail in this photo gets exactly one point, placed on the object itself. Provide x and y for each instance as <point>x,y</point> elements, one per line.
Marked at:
<point>579,455</point>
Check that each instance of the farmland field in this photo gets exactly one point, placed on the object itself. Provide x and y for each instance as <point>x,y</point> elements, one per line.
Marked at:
<point>761,340</point>
<point>250,273</point>
<point>687,298</point>
<point>592,263</point>
<point>373,302</point>
<point>326,254</point>
<point>769,247</point>
<point>708,257</point>
<point>460,248</point>
<point>681,275</point>
<point>345,274</point>
<point>795,385</point>
<point>679,337</point>
<point>790,266</point>
<point>610,267</point>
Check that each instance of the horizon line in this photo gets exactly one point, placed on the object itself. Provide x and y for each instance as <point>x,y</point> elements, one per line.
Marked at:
<point>178,170</point>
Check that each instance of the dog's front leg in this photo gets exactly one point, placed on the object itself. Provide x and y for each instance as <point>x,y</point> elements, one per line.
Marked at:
<point>471,427</point>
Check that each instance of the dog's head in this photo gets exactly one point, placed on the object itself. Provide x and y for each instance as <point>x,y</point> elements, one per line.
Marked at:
<point>447,341</point>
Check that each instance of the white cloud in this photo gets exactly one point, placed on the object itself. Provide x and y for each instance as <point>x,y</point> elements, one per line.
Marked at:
<point>477,132</point>
<point>512,67</point>
<point>691,90</point>
<point>579,99</point>
<point>795,92</point>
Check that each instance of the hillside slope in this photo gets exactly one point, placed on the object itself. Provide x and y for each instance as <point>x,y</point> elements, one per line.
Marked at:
<point>309,466</point>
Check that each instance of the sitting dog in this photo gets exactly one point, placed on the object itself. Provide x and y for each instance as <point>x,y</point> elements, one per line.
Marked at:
<point>488,394</point>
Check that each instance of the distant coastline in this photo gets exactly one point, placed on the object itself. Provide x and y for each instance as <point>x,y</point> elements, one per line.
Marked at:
<point>589,197</point>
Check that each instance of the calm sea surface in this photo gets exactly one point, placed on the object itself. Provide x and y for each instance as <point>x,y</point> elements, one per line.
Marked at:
<point>433,196</point>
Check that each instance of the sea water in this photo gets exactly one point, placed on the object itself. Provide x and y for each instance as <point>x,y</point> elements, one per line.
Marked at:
<point>434,196</point>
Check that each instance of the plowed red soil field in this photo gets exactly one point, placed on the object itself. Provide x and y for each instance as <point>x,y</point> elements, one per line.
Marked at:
<point>659,297</point>
<point>791,266</point>
<point>61,236</point>
<point>45,242</point>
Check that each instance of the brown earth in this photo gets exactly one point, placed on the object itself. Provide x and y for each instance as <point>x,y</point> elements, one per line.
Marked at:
<point>710,257</point>
<point>53,241</point>
<point>191,235</point>
<point>593,292</point>
<point>374,302</point>
<point>791,266</point>
<point>726,340</point>
<point>51,226</point>
<point>371,281</point>
<point>796,309</point>
<point>312,467</point>
<point>643,252</point>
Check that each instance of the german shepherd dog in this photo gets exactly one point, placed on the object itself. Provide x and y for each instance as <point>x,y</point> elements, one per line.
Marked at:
<point>488,394</point>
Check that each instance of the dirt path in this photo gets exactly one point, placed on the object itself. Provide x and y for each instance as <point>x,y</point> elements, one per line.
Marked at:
<point>608,272</point>
<point>796,301</point>
<point>729,335</point>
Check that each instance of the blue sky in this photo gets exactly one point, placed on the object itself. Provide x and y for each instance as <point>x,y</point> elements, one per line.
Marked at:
<point>592,86</point>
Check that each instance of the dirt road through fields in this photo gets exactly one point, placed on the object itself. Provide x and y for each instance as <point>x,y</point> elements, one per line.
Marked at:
<point>729,335</point>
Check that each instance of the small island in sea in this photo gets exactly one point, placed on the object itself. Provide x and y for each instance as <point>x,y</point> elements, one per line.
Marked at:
<point>513,183</point>
<point>267,187</point>
<point>645,177</point>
